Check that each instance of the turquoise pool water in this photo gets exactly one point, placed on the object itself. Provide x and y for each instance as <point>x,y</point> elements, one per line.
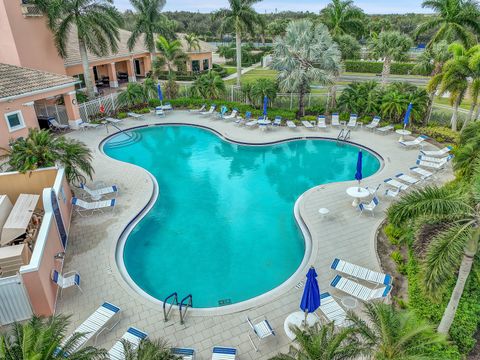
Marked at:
<point>222,228</point>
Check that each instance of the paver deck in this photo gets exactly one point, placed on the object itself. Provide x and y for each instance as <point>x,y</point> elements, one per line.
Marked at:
<point>343,233</point>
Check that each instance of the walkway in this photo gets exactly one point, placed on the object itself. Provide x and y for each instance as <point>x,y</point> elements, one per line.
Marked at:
<point>92,243</point>
<point>244,71</point>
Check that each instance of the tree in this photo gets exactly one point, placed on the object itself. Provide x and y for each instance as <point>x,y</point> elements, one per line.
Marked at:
<point>132,95</point>
<point>40,149</point>
<point>209,86</point>
<point>96,23</point>
<point>390,45</point>
<point>149,350</point>
<point>240,18</point>
<point>453,20</point>
<point>40,338</point>
<point>392,334</point>
<point>262,88</point>
<point>394,104</point>
<point>277,27</point>
<point>193,42</point>
<point>323,342</point>
<point>172,55</point>
<point>349,46</point>
<point>342,17</point>
<point>456,239</point>
<point>149,89</point>
<point>305,54</point>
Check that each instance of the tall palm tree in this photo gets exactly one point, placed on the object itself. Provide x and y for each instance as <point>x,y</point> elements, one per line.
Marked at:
<point>193,42</point>
<point>392,334</point>
<point>172,55</point>
<point>149,350</point>
<point>342,17</point>
<point>149,21</point>
<point>96,23</point>
<point>453,20</point>
<point>323,342</point>
<point>45,339</point>
<point>239,18</point>
<point>390,45</point>
<point>40,149</point>
<point>453,246</point>
<point>305,54</point>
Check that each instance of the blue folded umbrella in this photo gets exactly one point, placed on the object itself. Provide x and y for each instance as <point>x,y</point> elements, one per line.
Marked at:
<point>265,104</point>
<point>358,174</point>
<point>406,120</point>
<point>311,293</point>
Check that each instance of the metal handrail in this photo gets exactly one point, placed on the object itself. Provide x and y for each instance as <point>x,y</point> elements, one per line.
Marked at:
<point>182,304</point>
<point>165,302</point>
<point>347,135</point>
<point>339,137</point>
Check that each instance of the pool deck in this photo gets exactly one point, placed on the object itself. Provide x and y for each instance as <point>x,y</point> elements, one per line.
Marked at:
<point>343,233</point>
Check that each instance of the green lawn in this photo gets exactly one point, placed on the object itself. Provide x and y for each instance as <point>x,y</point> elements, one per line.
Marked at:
<point>255,75</point>
<point>230,69</point>
<point>445,101</point>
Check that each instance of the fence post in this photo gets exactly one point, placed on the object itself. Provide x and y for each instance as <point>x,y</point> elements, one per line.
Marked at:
<point>56,112</point>
<point>46,108</point>
<point>231,93</point>
<point>309,99</point>
<point>291,100</point>
<point>113,103</point>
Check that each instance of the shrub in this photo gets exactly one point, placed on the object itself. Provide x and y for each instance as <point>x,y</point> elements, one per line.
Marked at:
<point>315,110</point>
<point>393,234</point>
<point>122,115</point>
<point>375,67</point>
<point>439,133</point>
<point>144,110</point>
<point>397,257</point>
<point>154,103</point>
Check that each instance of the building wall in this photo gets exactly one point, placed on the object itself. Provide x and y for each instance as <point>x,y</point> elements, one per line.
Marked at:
<point>200,57</point>
<point>33,40</point>
<point>8,54</point>
<point>120,64</point>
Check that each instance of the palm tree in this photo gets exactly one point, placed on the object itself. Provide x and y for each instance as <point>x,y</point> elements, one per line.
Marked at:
<point>323,342</point>
<point>40,149</point>
<point>149,89</point>
<point>392,334</point>
<point>305,54</point>
<point>390,45</point>
<point>264,87</point>
<point>241,18</point>
<point>149,21</point>
<point>96,23</point>
<point>394,104</point>
<point>453,20</point>
<point>132,95</point>
<point>172,55</point>
<point>40,338</point>
<point>149,350</point>
<point>432,61</point>
<point>193,42</point>
<point>209,86</point>
<point>342,17</point>
<point>452,248</point>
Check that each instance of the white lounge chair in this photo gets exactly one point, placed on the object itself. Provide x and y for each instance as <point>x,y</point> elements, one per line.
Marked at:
<point>184,353</point>
<point>56,126</point>
<point>332,311</point>
<point>392,192</point>
<point>232,115</point>
<point>67,280</point>
<point>159,111</point>
<point>360,291</point>
<point>424,174</point>
<point>335,120</point>
<point>307,124</point>
<point>133,336</point>
<point>352,123</point>
<point>437,153</point>
<point>374,124</point>
<point>396,184</point>
<point>433,159</point>
<point>135,115</point>
<point>385,129</point>
<point>202,108</point>
<point>84,207</point>
<point>209,112</point>
<point>373,191</point>
<point>113,120</point>
<point>321,123</point>
<point>222,112</point>
<point>261,329</point>
<point>167,107</point>
<point>407,178</point>
<point>291,124</point>
<point>86,125</point>
<point>96,194</point>
<point>95,324</point>
<point>433,165</point>
<point>361,272</point>
<point>251,124</point>
<point>224,353</point>
<point>369,207</point>
<point>277,121</point>
<point>417,142</point>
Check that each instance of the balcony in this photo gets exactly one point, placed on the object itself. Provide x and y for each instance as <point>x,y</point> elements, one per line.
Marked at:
<point>30,10</point>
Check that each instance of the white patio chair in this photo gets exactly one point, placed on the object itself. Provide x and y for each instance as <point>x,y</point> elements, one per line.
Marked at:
<point>332,310</point>
<point>433,159</point>
<point>133,336</point>
<point>184,353</point>
<point>360,291</point>
<point>83,207</point>
<point>96,194</point>
<point>56,126</point>
<point>374,124</point>
<point>352,123</point>
<point>209,112</point>
<point>232,115</point>
<point>159,111</point>
<point>86,125</point>
<point>66,280</point>
<point>321,123</point>
<point>202,108</point>
<point>361,272</point>
<point>224,353</point>
<point>335,120</point>
<point>437,153</point>
<point>385,129</point>
<point>291,124</point>
<point>407,179</point>
<point>277,121</point>
<point>135,115</point>
<point>261,329</point>
<point>396,184</point>
<point>369,207</point>
<point>424,174</point>
<point>416,142</point>
<point>307,124</point>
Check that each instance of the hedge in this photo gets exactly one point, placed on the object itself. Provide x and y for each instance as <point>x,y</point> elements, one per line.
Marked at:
<point>439,133</point>
<point>375,67</point>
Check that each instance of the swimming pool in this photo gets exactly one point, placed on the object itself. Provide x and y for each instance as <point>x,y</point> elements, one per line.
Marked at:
<point>222,227</point>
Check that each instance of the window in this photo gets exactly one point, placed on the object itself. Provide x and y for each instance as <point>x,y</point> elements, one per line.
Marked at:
<point>206,64</point>
<point>14,120</point>
<point>81,85</point>
<point>195,65</point>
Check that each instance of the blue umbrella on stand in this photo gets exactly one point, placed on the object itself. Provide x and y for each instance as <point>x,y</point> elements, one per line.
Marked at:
<point>160,94</point>
<point>311,294</point>
<point>406,120</point>
<point>265,105</point>
<point>358,174</point>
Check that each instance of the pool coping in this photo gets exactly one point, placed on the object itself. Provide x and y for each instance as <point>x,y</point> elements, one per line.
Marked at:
<point>291,282</point>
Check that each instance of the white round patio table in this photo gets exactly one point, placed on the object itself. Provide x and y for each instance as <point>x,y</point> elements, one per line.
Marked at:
<point>357,193</point>
<point>402,133</point>
<point>297,318</point>
<point>264,124</point>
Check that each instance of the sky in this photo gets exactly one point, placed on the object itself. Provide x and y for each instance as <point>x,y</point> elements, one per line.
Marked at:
<point>369,6</point>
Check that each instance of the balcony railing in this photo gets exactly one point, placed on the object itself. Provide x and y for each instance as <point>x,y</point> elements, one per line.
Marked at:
<point>30,9</point>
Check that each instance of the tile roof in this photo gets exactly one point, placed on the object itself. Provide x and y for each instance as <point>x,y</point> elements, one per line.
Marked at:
<point>16,80</point>
<point>73,55</point>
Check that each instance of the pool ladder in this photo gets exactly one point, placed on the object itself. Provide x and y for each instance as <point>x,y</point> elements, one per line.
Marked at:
<point>185,304</point>
<point>344,135</point>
